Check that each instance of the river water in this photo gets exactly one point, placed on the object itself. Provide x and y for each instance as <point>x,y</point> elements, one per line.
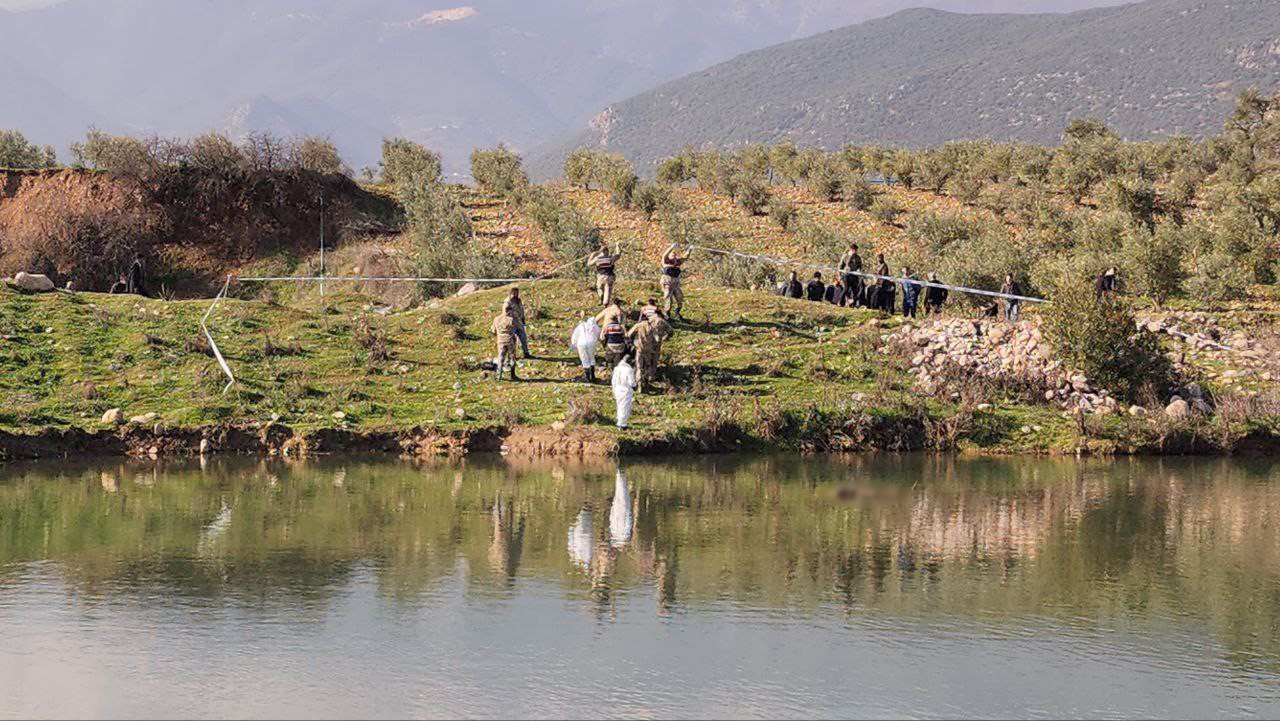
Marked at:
<point>744,587</point>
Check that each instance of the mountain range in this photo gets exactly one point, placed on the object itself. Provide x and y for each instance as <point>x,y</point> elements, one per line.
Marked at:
<point>452,75</point>
<point>922,77</point>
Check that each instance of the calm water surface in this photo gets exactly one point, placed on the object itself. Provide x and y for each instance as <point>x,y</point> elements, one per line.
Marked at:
<point>866,587</point>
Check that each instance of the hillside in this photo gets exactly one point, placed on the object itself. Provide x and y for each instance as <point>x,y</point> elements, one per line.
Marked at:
<point>924,77</point>
<point>454,75</point>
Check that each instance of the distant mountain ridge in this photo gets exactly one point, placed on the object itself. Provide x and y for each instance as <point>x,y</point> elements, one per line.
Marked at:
<point>454,74</point>
<point>922,77</point>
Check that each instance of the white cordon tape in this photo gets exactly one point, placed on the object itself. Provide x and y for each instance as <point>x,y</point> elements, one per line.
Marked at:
<point>922,283</point>
<point>231,378</point>
<point>204,326</point>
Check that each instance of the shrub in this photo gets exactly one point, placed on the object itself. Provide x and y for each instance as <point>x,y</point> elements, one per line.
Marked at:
<point>649,198</point>
<point>498,170</point>
<point>858,193</point>
<point>783,212</point>
<point>1101,339</point>
<point>824,180</point>
<point>17,153</point>
<point>319,155</point>
<point>885,209</point>
<point>753,193</point>
<point>621,183</point>
<point>577,168</point>
<point>1156,261</point>
<point>406,163</point>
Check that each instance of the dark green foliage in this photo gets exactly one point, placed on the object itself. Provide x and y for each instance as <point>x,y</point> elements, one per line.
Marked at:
<point>18,154</point>
<point>783,212</point>
<point>406,163</point>
<point>498,170</point>
<point>753,193</point>
<point>650,198</point>
<point>1101,339</point>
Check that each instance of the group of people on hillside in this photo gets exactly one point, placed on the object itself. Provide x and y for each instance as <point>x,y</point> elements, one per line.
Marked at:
<point>632,342</point>
<point>854,287</point>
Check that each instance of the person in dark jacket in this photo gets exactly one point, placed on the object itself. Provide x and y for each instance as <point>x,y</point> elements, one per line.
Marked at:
<point>816,290</point>
<point>1107,283</point>
<point>836,293</point>
<point>851,265</point>
<point>886,295</point>
<point>792,287</point>
<point>910,293</point>
<point>135,284</point>
<point>934,297</point>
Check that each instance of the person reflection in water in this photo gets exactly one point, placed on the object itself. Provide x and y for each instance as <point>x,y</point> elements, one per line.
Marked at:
<point>508,540</point>
<point>581,539</point>
<point>621,519</point>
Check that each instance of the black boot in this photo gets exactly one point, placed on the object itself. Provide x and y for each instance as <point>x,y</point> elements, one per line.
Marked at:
<point>591,375</point>
<point>513,372</point>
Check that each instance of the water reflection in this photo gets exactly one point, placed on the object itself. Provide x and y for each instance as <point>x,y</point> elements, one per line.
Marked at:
<point>993,546</point>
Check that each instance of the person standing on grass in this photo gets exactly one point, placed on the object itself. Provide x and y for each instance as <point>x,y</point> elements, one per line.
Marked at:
<point>672,268</point>
<point>934,297</point>
<point>1012,306</point>
<point>585,340</point>
<point>613,331</point>
<point>624,392</point>
<point>504,332</point>
<point>605,264</point>
<point>516,308</point>
<point>647,347</point>
<point>851,265</point>
<point>910,293</point>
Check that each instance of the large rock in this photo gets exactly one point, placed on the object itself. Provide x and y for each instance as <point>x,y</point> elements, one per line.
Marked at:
<point>113,417</point>
<point>1178,410</point>
<point>468,289</point>
<point>33,282</point>
<point>144,419</point>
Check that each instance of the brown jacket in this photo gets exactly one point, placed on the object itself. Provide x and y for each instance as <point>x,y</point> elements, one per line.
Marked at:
<point>504,329</point>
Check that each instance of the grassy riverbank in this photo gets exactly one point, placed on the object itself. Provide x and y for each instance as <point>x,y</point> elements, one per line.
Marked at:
<point>745,371</point>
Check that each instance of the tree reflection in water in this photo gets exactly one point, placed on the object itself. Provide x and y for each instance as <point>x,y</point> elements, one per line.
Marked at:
<point>912,535</point>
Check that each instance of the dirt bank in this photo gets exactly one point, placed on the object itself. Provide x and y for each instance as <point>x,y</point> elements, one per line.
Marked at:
<point>189,226</point>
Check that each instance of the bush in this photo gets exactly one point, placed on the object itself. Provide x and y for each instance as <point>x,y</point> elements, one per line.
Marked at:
<point>885,209</point>
<point>406,163</point>
<point>319,155</point>
<point>577,168</point>
<point>784,213</point>
<point>649,198</point>
<point>17,153</point>
<point>858,193</point>
<point>753,193</point>
<point>824,181</point>
<point>621,184</point>
<point>498,170</point>
<point>1101,339</point>
<point>1155,261</point>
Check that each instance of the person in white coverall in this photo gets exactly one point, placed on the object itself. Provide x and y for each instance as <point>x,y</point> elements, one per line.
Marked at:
<point>624,391</point>
<point>585,340</point>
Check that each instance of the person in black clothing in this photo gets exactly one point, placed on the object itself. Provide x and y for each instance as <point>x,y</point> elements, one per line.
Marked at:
<point>135,285</point>
<point>792,287</point>
<point>851,265</point>
<point>120,286</point>
<point>1107,283</point>
<point>816,290</point>
<point>934,297</point>
<point>836,293</point>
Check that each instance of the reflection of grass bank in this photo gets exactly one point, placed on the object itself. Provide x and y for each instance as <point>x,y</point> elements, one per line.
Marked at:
<point>747,371</point>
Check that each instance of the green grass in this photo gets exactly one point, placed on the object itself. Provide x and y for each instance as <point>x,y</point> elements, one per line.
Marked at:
<point>741,358</point>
